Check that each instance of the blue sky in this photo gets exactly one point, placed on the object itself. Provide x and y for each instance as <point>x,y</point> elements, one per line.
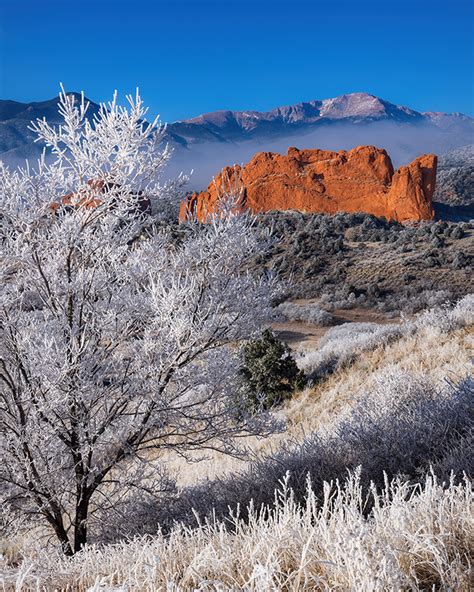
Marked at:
<point>190,57</point>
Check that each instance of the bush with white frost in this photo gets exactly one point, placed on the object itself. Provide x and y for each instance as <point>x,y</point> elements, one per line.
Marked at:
<point>445,318</point>
<point>116,342</point>
<point>305,313</point>
<point>343,343</point>
<point>403,425</point>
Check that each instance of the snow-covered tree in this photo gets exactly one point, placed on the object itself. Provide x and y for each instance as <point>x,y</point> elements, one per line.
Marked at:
<point>118,337</point>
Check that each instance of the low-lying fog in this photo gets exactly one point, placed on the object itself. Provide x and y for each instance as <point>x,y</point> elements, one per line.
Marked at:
<point>402,142</point>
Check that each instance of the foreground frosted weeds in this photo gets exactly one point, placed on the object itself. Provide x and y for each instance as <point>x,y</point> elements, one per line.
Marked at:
<point>413,539</point>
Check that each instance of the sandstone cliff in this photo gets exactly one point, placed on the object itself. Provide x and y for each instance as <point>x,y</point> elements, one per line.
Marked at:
<point>362,179</point>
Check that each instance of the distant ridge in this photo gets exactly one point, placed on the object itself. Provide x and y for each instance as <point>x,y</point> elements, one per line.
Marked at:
<point>17,142</point>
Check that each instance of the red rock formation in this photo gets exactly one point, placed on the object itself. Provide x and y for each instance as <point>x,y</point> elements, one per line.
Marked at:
<point>361,179</point>
<point>89,197</point>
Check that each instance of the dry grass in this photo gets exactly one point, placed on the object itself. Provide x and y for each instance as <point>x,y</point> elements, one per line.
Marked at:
<point>439,355</point>
<point>413,539</point>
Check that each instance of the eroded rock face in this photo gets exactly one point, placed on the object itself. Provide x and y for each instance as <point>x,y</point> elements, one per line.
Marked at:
<point>359,180</point>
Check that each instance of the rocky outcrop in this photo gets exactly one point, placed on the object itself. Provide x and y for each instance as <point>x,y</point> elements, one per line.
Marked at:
<point>411,190</point>
<point>92,194</point>
<point>362,179</point>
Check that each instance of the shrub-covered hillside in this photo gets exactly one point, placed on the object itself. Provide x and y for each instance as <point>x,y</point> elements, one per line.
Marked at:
<point>360,260</point>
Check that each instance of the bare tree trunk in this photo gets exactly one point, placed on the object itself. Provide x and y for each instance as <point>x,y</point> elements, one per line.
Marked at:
<point>61,533</point>
<point>80,524</point>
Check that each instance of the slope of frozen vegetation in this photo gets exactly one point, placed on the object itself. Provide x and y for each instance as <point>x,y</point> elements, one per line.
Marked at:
<point>388,438</point>
<point>341,344</point>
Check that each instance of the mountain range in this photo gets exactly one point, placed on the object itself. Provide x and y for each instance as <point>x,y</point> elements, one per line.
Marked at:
<point>207,142</point>
<point>355,108</point>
